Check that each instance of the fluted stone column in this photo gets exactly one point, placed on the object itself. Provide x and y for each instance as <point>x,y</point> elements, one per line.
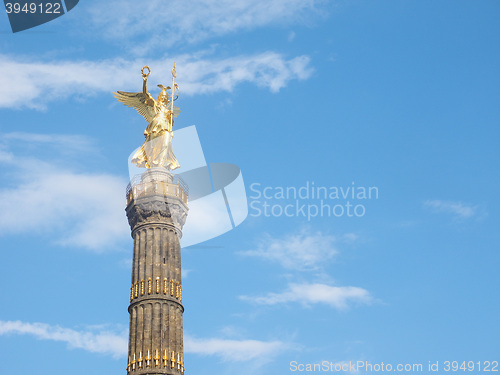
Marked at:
<point>156,211</point>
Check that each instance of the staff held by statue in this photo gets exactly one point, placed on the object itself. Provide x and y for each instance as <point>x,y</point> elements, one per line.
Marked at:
<point>174,97</point>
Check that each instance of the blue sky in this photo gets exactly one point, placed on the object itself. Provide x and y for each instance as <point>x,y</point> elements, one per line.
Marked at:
<point>398,95</point>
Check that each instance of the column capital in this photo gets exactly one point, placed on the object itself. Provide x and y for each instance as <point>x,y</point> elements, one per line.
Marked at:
<point>157,197</point>
<point>156,210</point>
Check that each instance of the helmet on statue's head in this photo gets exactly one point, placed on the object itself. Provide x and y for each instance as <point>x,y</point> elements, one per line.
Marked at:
<point>163,95</point>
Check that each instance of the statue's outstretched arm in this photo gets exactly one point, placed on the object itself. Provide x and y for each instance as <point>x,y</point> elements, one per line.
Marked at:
<point>145,84</point>
<point>148,98</point>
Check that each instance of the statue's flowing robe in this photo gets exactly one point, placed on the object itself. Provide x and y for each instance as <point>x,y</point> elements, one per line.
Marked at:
<point>156,151</point>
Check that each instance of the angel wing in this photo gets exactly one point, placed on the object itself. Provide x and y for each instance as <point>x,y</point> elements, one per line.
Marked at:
<point>143,103</point>
<point>177,110</point>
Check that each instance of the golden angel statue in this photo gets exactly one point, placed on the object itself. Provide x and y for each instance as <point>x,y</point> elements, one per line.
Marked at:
<point>156,151</point>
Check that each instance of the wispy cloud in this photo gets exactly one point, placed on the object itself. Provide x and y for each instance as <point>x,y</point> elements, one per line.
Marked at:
<point>177,21</point>
<point>459,210</point>
<point>338,297</point>
<point>103,342</point>
<point>301,251</point>
<point>64,142</point>
<point>80,209</point>
<point>235,350</point>
<point>33,84</point>
<point>75,208</point>
<point>307,251</point>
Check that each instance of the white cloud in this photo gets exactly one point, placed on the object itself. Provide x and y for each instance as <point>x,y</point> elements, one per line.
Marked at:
<point>234,350</point>
<point>74,208</point>
<point>104,342</point>
<point>307,294</point>
<point>178,21</point>
<point>307,252</point>
<point>64,142</point>
<point>79,209</point>
<point>33,84</point>
<point>301,251</point>
<point>6,156</point>
<point>458,209</point>
<point>101,340</point>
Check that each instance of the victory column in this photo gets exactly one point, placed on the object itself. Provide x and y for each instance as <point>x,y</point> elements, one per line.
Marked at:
<point>157,207</point>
